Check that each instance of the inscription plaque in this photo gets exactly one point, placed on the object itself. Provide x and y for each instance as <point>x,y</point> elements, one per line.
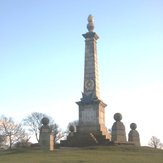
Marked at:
<point>88,115</point>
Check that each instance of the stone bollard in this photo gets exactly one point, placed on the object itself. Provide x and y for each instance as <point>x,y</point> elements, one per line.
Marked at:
<point>46,138</point>
<point>133,135</point>
<point>118,130</point>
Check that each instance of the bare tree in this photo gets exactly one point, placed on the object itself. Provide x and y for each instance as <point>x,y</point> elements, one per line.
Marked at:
<point>155,142</point>
<point>58,133</point>
<point>23,143</point>
<point>10,131</point>
<point>2,140</point>
<point>33,121</point>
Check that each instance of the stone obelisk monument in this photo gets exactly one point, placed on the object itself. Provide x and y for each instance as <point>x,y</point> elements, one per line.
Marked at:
<point>91,107</point>
<point>91,128</point>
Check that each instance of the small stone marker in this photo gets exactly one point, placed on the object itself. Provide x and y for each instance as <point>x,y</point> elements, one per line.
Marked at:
<point>46,139</point>
<point>118,130</point>
<point>71,130</point>
<point>133,135</point>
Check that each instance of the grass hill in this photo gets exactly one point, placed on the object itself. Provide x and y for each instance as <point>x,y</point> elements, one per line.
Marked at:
<point>102,154</point>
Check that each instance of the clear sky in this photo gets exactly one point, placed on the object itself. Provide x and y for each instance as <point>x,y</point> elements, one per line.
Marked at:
<point>42,59</point>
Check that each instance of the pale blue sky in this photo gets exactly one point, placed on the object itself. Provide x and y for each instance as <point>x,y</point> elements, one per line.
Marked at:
<point>42,59</point>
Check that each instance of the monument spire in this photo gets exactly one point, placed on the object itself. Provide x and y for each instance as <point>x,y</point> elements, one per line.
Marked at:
<point>91,79</point>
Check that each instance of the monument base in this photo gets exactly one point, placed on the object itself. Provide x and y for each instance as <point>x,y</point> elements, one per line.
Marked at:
<point>91,129</point>
<point>85,139</point>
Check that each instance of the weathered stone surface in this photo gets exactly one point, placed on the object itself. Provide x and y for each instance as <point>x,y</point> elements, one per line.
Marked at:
<point>133,135</point>
<point>92,118</point>
<point>118,130</point>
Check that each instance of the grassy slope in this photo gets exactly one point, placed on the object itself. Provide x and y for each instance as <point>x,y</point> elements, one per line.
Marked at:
<point>81,155</point>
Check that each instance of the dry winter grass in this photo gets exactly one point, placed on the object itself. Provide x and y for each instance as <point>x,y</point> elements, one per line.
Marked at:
<point>109,154</point>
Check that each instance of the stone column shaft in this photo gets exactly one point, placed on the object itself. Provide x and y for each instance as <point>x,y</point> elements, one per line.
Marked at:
<point>91,63</point>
